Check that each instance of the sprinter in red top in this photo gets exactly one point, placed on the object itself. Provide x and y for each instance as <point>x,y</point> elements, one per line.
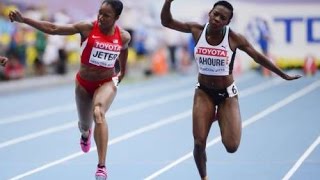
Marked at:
<point>101,50</point>
<point>102,44</point>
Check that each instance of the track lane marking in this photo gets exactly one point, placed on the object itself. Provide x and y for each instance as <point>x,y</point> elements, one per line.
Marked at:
<point>246,123</point>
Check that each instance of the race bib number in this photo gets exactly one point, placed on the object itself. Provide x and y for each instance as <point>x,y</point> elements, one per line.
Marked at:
<point>100,57</point>
<point>104,54</point>
<point>232,90</point>
<point>212,65</point>
<point>212,61</point>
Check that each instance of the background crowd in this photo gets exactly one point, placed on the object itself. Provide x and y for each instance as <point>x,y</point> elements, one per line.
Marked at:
<point>154,50</point>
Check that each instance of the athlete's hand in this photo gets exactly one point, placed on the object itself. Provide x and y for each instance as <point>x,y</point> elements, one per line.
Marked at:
<point>15,15</point>
<point>120,76</point>
<point>3,60</point>
<point>115,81</point>
<point>287,77</point>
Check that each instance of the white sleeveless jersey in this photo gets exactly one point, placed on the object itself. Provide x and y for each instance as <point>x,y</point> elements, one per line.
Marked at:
<point>214,60</point>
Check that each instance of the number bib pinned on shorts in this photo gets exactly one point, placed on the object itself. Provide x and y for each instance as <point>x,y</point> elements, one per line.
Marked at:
<point>232,90</point>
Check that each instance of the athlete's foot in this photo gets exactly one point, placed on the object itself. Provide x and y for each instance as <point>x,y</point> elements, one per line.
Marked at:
<point>85,142</point>
<point>101,173</point>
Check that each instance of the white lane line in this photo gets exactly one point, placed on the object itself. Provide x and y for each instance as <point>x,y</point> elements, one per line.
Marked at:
<point>71,107</point>
<point>302,159</point>
<point>128,109</point>
<point>121,138</point>
<point>156,87</point>
<point>37,134</point>
<point>246,123</point>
<point>38,114</point>
<point>158,124</point>
<point>118,112</point>
<point>124,95</point>
<point>136,107</point>
<point>159,100</point>
<point>261,87</point>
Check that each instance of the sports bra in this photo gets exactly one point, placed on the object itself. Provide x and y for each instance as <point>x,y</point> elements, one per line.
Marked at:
<point>214,60</point>
<point>101,50</point>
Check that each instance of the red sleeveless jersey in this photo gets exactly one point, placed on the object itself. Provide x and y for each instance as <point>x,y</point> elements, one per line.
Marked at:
<point>101,50</point>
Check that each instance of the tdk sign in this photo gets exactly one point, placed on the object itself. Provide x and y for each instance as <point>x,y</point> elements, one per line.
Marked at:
<point>312,25</point>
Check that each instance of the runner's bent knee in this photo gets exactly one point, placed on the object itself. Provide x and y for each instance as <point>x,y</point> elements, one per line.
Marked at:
<point>231,146</point>
<point>98,114</point>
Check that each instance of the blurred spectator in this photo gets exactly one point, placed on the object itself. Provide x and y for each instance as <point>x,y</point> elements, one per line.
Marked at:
<point>55,53</point>
<point>13,69</point>
<point>185,59</point>
<point>258,32</point>
<point>129,18</point>
<point>265,36</point>
<point>191,45</point>
<point>41,54</point>
<point>172,41</point>
<point>32,48</point>
<point>18,45</point>
<point>61,64</point>
<point>140,42</point>
<point>39,68</point>
<point>6,28</point>
<point>40,44</point>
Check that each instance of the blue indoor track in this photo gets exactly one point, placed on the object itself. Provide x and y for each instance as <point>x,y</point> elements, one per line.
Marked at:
<point>150,132</point>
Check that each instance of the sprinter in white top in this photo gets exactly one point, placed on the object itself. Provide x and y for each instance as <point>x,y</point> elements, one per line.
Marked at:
<point>214,60</point>
<point>216,96</point>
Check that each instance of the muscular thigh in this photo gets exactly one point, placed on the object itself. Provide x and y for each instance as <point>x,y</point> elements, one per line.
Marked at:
<point>84,103</point>
<point>229,117</point>
<point>105,95</point>
<point>203,113</point>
